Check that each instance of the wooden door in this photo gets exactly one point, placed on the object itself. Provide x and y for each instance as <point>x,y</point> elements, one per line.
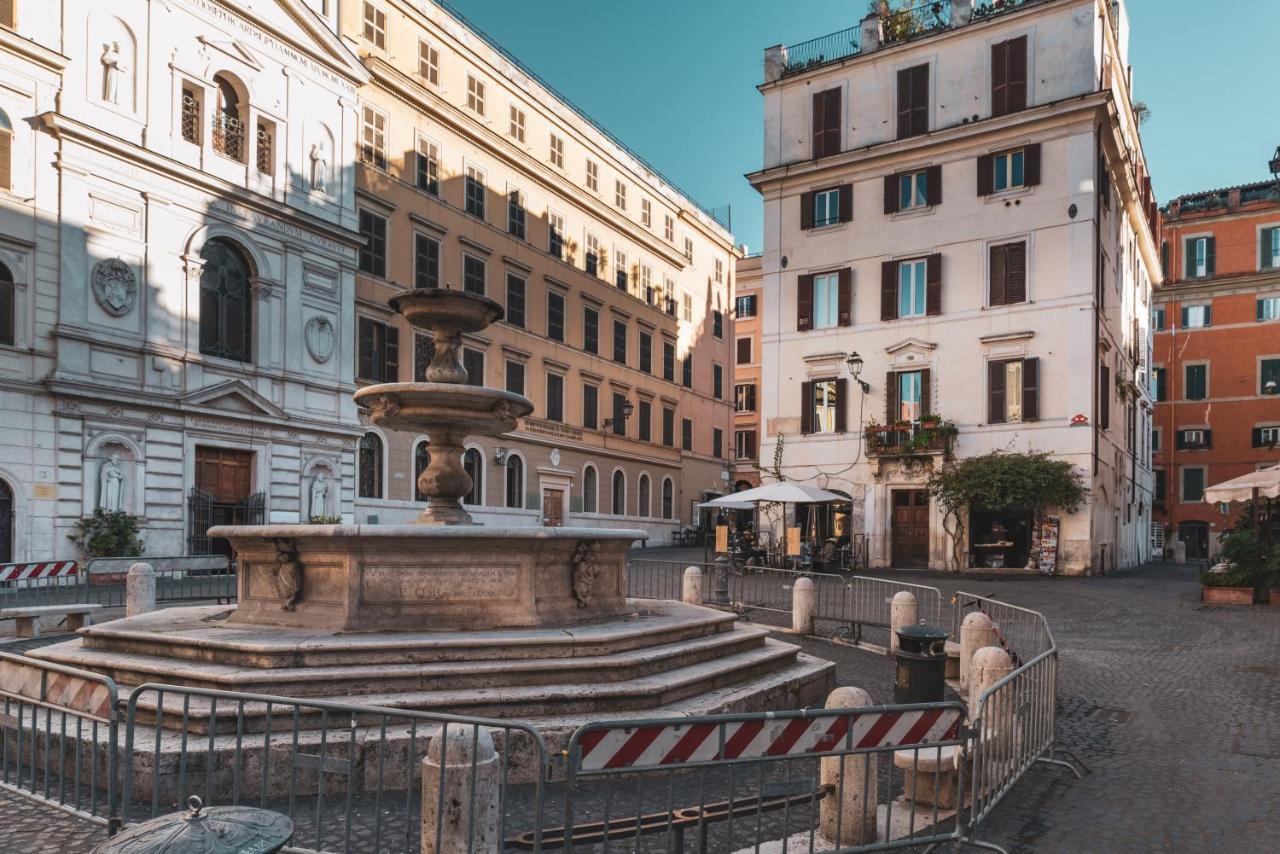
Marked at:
<point>553,508</point>
<point>910,529</point>
<point>225,474</point>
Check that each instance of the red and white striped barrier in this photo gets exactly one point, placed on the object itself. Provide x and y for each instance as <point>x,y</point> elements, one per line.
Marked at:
<point>39,569</point>
<point>662,745</point>
<point>61,690</point>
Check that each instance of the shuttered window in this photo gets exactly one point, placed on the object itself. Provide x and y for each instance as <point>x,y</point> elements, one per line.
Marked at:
<point>1196,382</point>
<point>8,13</point>
<point>1013,391</point>
<point>1197,316</point>
<point>426,262</point>
<point>515,301</point>
<point>744,351</point>
<point>823,406</point>
<point>1009,170</point>
<point>913,101</point>
<point>824,300</point>
<point>1268,248</point>
<point>1008,268</point>
<point>1199,261</point>
<point>829,206</point>
<point>379,353</point>
<point>1009,76</point>
<point>826,123</point>
<point>911,288</point>
<point>6,153</point>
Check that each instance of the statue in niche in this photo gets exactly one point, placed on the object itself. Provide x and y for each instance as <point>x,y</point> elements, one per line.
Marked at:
<point>111,485</point>
<point>112,69</point>
<point>319,168</point>
<point>319,503</point>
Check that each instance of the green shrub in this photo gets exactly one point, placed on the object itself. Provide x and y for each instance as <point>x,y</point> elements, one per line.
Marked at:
<point>1250,561</point>
<point>108,534</point>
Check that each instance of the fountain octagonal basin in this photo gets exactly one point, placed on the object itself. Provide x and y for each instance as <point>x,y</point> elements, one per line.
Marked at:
<point>371,578</point>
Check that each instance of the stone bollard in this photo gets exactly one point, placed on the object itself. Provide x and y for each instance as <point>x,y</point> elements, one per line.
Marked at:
<point>691,592</point>
<point>976,631</point>
<point>850,810</point>
<point>804,599</point>
<point>990,664</point>
<point>140,590</point>
<point>451,789</point>
<point>1179,551</point>
<point>903,611</point>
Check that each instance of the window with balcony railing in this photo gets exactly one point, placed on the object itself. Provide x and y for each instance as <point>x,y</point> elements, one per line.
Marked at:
<point>266,148</point>
<point>228,136</point>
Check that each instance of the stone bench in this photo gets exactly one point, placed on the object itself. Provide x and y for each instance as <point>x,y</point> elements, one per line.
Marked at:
<point>931,775</point>
<point>28,619</point>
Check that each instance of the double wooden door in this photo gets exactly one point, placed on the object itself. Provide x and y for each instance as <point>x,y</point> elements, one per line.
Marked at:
<point>910,529</point>
<point>553,508</point>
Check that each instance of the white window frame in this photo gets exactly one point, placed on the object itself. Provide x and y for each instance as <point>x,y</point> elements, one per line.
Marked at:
<point>824,411</point>
<point>428,62</point>
<point>475,95</point>
<point>619,195</point>
<point>373,134</point>
<point>517,124</point>
<point>646,213</point>
<point>828,202</point>
<point>669,228</point>
<point>470,173</point>
<point>429,148</point>
<point>1005,171</point>
<point>688,308</point>
<point>688,248</point>
<point>1273,431</point>
<point>1270,307</point>
<point>919,287</point>
<point>555,150</point>
<point>719,271</point>
<point>590,246</point>
<point>826,300</point>
<point>1197,267</point>
<point>593,176</point>
<point>1192,308</point>
<point>555,227</point>
<point>918,192</point>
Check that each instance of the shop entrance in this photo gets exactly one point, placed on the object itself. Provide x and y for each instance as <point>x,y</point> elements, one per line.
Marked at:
<point>1000,539</point>
<point>1196,537</point>
<point>910,529</point>
<point>553,508</point>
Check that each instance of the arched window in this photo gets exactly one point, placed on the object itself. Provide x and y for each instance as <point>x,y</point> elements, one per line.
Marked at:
<point>644,495</point>
<point>228,120</point>
<point>619,494</point>
<point>421,459</point>
<point>473,464</point>
<point>8,297</point>
<point>6,522</point>
<point>370,466</point>
<point>515,481</point>
<point>668,498</point>
<point>590,490</point>
<point>6,152</point>
<point>225,302</point>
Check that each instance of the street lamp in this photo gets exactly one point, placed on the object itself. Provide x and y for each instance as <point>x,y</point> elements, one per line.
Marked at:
<point>854,363</point>
<point>627,409</point>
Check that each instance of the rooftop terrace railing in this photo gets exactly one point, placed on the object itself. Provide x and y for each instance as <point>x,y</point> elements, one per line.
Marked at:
<point>820,51</point>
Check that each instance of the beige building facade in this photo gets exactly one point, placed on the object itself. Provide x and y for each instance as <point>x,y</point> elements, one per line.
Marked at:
<point>958,216</point>
<point>473,174</point>
<point>747,355</point>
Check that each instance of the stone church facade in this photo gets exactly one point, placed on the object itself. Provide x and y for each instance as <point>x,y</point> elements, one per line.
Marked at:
<point>177,261</point>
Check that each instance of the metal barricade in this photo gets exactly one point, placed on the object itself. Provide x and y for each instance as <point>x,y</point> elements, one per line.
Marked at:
<point>733,782</point>
<point>179,578</point>
<point>664,579</point>
<point>35,583</point>
<point>1023,633</point>
<point>60,736</point>
<point>350,776</point>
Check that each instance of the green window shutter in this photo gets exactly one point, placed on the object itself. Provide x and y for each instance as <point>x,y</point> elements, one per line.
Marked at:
<point>1209,256</point>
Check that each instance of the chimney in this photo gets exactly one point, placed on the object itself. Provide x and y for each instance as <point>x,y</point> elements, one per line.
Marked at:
<point>871,34</point>
<point>775,62</point>
<point>961,12</point>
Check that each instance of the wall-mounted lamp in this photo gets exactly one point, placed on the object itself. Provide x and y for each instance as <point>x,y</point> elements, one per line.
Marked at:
<point>627,409</point>
<point>854,363</point>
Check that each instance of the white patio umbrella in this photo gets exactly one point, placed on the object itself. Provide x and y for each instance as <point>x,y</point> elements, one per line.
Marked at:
<point>1248,487</point>
<point>724,503</point>
<point>780,493</point>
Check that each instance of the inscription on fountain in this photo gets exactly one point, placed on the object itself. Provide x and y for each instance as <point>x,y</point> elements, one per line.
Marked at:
<point>386,583</point>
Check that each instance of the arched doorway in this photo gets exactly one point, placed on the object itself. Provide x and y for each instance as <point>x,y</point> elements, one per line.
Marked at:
<point>6,523</point>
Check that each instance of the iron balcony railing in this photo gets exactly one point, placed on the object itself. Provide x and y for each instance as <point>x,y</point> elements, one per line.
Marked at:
<point>820,51</point>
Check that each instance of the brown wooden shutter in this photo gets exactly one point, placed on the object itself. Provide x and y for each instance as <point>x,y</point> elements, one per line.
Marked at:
<point>933,285</point>
<point>364,350</point>
<point>1000,79</point>
<point>920,99</point>
<point>890,194</point>
<point>819,125</point>
<point>846,202</point>
<point>1017,74</point>
<point>1030,389</point>
<point>999,284</point>
<point>986,174</point>
<point>934,180</point>
<point>1104,397</point>
<point>826,123</point>
<point>806,210</point>
<point>391,359</point>
<point>6,160</point>
<point>806,407</point>
<point>1016,273</point>
<point>744,351</point>
<point>842,405</point>
<point>891,401</point>
<point>926,389</point>
<point>845,297</point>
<point>904,103</point>
<point>889,290</point>
<point>1031,168</point>
<point>995,392</point>
<point>804,303</point>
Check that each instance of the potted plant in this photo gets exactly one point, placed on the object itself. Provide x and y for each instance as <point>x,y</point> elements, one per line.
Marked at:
<point>1226,584</point>
<point>930,421</point>
<point>1243,567</point>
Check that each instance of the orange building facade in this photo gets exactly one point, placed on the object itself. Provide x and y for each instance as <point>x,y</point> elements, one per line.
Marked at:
<point>746,373</point>
<point>1216,362</point>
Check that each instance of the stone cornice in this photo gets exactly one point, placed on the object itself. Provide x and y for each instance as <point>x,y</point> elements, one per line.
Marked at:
<point>1245,283</point>
<point>64,126</point>
<point>11,42</point>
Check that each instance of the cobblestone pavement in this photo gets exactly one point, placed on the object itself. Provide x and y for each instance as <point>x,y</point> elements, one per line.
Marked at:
<point>1174,706</point>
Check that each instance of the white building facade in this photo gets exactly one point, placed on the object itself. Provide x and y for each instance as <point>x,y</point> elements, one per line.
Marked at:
<point>964,204</point>
<point>179,230</point>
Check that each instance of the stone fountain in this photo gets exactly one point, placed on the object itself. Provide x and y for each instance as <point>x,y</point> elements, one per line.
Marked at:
<point>447,615</point>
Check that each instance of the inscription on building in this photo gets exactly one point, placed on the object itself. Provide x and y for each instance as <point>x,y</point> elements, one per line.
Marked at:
<point>390,583</point>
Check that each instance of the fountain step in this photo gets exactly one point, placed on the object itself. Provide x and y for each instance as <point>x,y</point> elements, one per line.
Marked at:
<point>325,681</point>
<point>204,634</point>
<point>706,684</point>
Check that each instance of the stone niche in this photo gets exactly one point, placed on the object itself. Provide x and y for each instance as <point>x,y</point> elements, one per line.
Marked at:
<point>417,578</point>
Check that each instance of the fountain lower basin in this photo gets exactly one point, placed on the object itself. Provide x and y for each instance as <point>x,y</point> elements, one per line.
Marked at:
<point>379,578</point>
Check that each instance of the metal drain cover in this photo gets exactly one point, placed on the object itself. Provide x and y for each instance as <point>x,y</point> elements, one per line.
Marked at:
<point>1111,716</point>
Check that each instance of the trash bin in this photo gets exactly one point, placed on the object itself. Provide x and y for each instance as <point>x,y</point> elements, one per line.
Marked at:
<point>219,830</point>
<point>920,675</point>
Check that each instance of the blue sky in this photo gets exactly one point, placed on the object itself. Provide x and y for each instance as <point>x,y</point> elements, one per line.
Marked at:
<point>675,80</point>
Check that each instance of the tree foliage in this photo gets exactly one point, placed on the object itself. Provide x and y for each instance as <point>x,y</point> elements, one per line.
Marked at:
<point>108,534</point>
<point>1001,481</point>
